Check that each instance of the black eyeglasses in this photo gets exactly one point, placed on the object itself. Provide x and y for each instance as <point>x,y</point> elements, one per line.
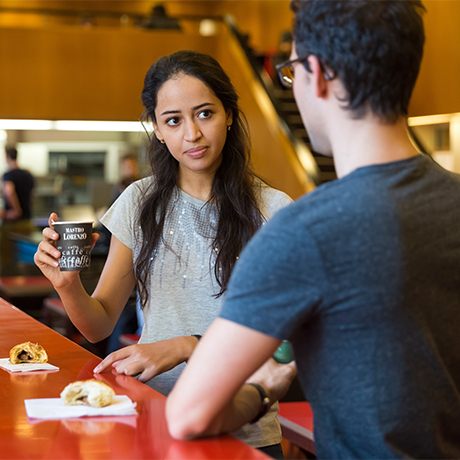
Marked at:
<point>286,71</point>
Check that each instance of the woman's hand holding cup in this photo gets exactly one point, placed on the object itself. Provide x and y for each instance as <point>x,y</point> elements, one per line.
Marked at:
<point>63,253</point>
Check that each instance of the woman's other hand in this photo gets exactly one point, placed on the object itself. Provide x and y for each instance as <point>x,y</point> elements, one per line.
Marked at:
<point>148,360</point>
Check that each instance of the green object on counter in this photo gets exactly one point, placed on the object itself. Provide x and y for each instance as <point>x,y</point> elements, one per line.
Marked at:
<point>283,353</point>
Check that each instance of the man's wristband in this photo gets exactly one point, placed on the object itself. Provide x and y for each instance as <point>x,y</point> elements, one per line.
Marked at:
<point>265,404</point>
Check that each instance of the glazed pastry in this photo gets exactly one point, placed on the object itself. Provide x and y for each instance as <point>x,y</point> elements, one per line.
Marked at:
<point>28,352</point>
<point>90,392</point>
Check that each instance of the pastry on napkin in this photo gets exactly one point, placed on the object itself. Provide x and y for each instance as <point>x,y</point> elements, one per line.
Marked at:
<point>91,392</point>
<point>28,352</point>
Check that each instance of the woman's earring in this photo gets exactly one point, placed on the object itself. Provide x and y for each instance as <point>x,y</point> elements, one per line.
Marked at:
<point>229,127</point>
<point>162,141</point>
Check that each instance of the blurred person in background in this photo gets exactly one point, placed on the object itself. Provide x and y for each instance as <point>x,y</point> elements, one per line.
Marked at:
<point>129,173</point>
<point>17,189</point>
<point>159,19</point>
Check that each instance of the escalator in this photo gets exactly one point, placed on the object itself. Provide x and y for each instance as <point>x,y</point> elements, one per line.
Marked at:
<point>290,114</point>
<point>283,101</point>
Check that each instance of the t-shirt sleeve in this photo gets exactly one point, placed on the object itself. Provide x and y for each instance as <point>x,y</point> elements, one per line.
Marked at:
<point>278,282</point>
<point>272,201</point>
<point>120,217</point>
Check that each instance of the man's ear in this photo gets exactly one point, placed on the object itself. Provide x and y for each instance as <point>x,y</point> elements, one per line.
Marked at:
<point>317,77</point>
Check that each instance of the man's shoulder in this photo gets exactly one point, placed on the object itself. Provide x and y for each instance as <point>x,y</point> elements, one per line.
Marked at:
<point>320,201</point>
<point>17,173</point>
<point>9,175</point>
<point>319,212</point>
<point>370,196</point>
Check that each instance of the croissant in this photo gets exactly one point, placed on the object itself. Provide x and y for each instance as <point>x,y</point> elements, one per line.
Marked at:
<point>90,392</point>
<point>28,352</point>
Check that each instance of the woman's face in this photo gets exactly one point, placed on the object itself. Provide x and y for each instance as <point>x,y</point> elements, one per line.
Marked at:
<point>193,123</point>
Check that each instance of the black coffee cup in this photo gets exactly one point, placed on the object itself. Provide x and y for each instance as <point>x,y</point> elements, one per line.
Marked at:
<point>74,244</point>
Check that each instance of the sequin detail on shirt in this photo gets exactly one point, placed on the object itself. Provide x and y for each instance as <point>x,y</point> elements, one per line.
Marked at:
<point>190,228</point>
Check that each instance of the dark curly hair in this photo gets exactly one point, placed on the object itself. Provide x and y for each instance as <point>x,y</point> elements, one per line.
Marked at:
<point>375,47</point>
<point>233,189</point>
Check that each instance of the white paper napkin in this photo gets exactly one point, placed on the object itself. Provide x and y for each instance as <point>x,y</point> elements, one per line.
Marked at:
<point>54,408</point>
<point>26,367</point>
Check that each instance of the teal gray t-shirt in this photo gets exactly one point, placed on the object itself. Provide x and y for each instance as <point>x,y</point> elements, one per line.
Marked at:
<point>182,281</point>
<point>363,276</point>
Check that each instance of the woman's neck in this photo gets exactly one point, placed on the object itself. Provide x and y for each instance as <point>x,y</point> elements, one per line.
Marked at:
<point>197,185</point>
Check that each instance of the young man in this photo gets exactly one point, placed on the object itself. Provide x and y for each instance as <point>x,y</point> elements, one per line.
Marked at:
<point>361,275</point>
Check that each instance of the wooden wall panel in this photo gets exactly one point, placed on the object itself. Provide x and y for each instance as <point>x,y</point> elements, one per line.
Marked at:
<point>75,73</point>
<point>97,74</point>
<point>263,20</point>
<point>437,90</point>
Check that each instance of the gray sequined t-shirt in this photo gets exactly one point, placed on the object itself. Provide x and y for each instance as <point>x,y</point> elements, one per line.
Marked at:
<point>182,281</point>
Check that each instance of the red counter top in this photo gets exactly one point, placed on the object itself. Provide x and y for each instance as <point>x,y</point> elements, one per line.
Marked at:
<point>144,436</point>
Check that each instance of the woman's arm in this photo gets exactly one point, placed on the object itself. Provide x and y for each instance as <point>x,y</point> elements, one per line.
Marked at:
<point>94,316</point>
<point>210,397</point>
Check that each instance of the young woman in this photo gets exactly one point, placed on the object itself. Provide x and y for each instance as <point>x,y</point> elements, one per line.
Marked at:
<point>176,234</point>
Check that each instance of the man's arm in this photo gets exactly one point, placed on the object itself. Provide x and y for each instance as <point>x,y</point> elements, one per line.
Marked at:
<point>11,197</point>
<point>210,396</point>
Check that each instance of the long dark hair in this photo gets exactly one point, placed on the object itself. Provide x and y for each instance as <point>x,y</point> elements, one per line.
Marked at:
<point>233,187</point>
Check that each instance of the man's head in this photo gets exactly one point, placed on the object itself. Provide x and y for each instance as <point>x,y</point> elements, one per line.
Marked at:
<point>11,153</point>
<point>374,47</point>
